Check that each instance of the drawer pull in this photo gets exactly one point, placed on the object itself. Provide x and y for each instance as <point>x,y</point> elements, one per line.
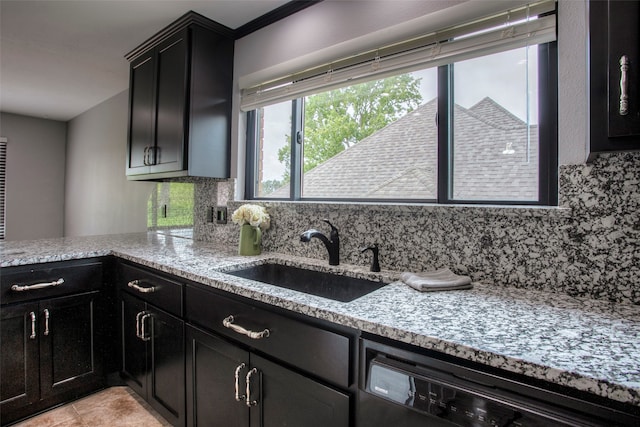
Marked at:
<point>228,323</point>
<point>135,284</point>
<point>32,315</point>
<point>239,396</point>
<point>20,288</point>
<point>250,402</point>
<point>46,321</point>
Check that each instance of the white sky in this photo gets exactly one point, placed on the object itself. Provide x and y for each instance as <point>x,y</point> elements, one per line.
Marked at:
<point>501,77</point>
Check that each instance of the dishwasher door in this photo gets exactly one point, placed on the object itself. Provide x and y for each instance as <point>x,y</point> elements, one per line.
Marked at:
<point>399,388</point>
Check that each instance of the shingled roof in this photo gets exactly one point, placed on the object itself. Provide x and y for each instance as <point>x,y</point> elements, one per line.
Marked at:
<point>399,161</point>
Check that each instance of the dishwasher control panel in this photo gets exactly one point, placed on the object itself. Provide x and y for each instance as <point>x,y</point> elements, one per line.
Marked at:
<point>455,403</point>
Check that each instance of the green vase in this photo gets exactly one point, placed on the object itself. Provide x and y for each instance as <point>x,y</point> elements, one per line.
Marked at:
<point>250,240</point>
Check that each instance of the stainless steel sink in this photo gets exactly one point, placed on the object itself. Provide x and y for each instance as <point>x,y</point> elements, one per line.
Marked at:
<point>322,284</point>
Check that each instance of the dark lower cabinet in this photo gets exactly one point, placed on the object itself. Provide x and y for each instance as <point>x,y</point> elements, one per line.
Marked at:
<point>69,358</point>
<point>211,383</point>
<point>20,359</point>
<point>286,398</point>
<point>49,353</point>
<point>52,348</point>
<point>228,386</point>
<point>153,356</point>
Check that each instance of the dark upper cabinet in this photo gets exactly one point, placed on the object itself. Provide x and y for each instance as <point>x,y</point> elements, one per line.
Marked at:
<point>614,50</point>
<point>180,102</point>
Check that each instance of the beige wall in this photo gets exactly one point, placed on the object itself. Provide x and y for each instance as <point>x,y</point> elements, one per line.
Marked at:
<point>35,176</point>
<point>99,199</point>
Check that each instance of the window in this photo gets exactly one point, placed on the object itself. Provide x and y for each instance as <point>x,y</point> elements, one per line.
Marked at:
<point>3,173</point>
<point>475,127</point>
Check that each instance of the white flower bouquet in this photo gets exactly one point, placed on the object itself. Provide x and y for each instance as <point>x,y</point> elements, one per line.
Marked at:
<point>254,215</point>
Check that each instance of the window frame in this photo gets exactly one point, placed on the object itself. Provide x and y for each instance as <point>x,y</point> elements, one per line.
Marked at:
<point>547,140</point>
<point>3,187</point>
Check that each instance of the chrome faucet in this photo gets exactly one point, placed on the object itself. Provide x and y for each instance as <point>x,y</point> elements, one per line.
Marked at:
<point>332,243</point>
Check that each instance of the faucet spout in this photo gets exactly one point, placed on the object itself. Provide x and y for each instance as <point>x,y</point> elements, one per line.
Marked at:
<point>332,243</point>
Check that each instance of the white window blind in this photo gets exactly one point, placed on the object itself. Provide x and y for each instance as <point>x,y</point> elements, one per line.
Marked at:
<point>3,170</point>
<point>526,25</point>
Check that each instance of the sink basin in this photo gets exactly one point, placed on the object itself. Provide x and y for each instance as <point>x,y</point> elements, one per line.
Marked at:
<point>327,285</point>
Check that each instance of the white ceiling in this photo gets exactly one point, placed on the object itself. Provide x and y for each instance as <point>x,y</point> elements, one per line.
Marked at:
<point>59,58</point>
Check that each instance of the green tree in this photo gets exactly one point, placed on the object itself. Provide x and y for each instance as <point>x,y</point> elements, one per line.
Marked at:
<point>271,185</point>
<point>336,120</point>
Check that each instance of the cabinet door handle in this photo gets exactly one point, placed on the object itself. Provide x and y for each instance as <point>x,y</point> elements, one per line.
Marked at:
<point>21,288</point>
<point>228,323</point>
<point>624,85</point>
<point>145,159</point>
<point>135,284</point>
<point>250,402</point>
<point>140,314</point>
<point>46,321</point>
<point>155,152</point>
<point>239,368</point>
<point>143,333</point>
<point>32,315</point>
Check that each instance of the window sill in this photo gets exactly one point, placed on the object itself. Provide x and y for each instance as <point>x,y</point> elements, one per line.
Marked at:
<point>533,211</point>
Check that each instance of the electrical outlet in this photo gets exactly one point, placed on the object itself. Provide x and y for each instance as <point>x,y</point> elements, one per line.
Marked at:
<point>221,215</point>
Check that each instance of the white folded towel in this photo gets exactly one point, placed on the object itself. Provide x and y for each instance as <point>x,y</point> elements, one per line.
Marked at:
<point>438,280</point>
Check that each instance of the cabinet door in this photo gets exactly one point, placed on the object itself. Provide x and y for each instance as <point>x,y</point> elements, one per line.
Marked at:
<point>286,398</point>
<point>165,381</point>
<point>171,102</point>
<point>613,33</point>
<point>142,115</point>
<point>19,359</point>
<point>624,41</point>
<point>134,359</point>
<point>212,364</point>
<point>69,344</point>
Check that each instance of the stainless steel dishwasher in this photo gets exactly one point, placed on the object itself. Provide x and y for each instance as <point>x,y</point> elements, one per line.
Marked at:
<point>401,388</point>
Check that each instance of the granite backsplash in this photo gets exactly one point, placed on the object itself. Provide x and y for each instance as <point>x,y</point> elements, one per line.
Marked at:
<point>588,246</point>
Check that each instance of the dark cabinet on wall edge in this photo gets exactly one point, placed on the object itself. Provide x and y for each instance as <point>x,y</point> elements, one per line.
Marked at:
<point>614,75</point>
<point>54,331</point>
<point>180,102</point>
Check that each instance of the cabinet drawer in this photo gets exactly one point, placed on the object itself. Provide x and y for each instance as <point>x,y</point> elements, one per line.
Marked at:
<point>38,281</point>
<point>321,352</point>
<point>161,291</point>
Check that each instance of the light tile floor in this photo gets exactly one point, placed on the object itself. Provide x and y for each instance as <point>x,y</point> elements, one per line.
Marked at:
<point>115,406</point>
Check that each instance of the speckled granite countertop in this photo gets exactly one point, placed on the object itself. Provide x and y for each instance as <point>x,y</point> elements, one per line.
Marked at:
<point>585,344</point>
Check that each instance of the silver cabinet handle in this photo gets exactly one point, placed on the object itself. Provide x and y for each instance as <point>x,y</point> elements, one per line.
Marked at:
<point>140,314</point>
<point>150,151</point>
<point>624,95</point>
<point>143,333</point>
<point>32,315</point>
<point>228,323</point>
<point>250,402</point>
<point>135,284</point>
<point>21,288</point>
<point>239,368</point>
<point>46,321</point>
